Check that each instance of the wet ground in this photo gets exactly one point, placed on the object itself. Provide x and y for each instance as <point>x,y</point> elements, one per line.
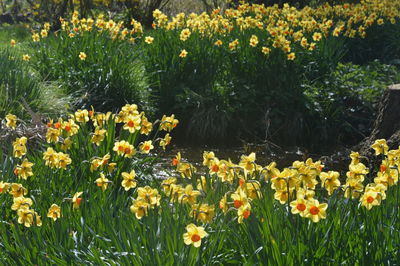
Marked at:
<point>264,155</point>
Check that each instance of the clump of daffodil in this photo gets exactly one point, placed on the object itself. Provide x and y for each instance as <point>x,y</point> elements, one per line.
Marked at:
<point>100,162</point>
<point>168,123</point>
<point>21,203</point>
<point>203,212</point>
<point>52,135</point>
<point>149,195</point>
<point>355,177</point>
<point>17,190</point>
<point>194,234</point>
<point>146,126</point>
<point>70,127</point>
<point>123,148</point>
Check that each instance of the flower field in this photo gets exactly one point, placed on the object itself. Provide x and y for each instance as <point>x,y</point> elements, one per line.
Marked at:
<point>88,107</point>
<point>85,194</point>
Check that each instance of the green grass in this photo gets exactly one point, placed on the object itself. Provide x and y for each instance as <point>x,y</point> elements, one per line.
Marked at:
<point>21,89</point>
<point>19,33</point>
<point>111,75</point>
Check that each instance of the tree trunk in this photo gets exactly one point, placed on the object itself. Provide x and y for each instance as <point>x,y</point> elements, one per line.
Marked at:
<point>387,123</point>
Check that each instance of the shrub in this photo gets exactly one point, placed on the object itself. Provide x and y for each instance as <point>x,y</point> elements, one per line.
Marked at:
<point>344,104</point>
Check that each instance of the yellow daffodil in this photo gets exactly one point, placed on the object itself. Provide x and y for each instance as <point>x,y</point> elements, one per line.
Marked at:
<point>52,135</point>
<point>4,187</point>
<point>244,212</point>
<point>82,56</point>
<point>148,40</point>
<point>82,116</point>
<point>123,148</point>
<point>330,181</point>
<point>17,190</point>
<point>98,136</point>
<point>128,181</point>
<point>183,53</point>
<point>25,217</point>
<point>21,203</point>
<point>166,184</point>
<point>370,199</point>
<point>24,170</point>
<point>380,146</point>
<point>265,50</point>
<point>149,195</point>
<point>299,206</point>
<point>77,200</point>
<point>102,182</point>
<point>168,123</point>
<point>203,212</point>
<point>54,212</point>
<point>165,141</point>
<point>19,146</point>
<point>11,121</point>
<point>146,146</point>
<point>194,234</point>
<point>140,208</point>
<point>316,211</point>
<point>146,126</point>
<point>26,57</point>
<point>189,195</point>
<point>208,157</point>
<point>132,123</point>
<point>248,163</point>
<point>35,37</point>
<point>63,160</point>
<point>253,40</point>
